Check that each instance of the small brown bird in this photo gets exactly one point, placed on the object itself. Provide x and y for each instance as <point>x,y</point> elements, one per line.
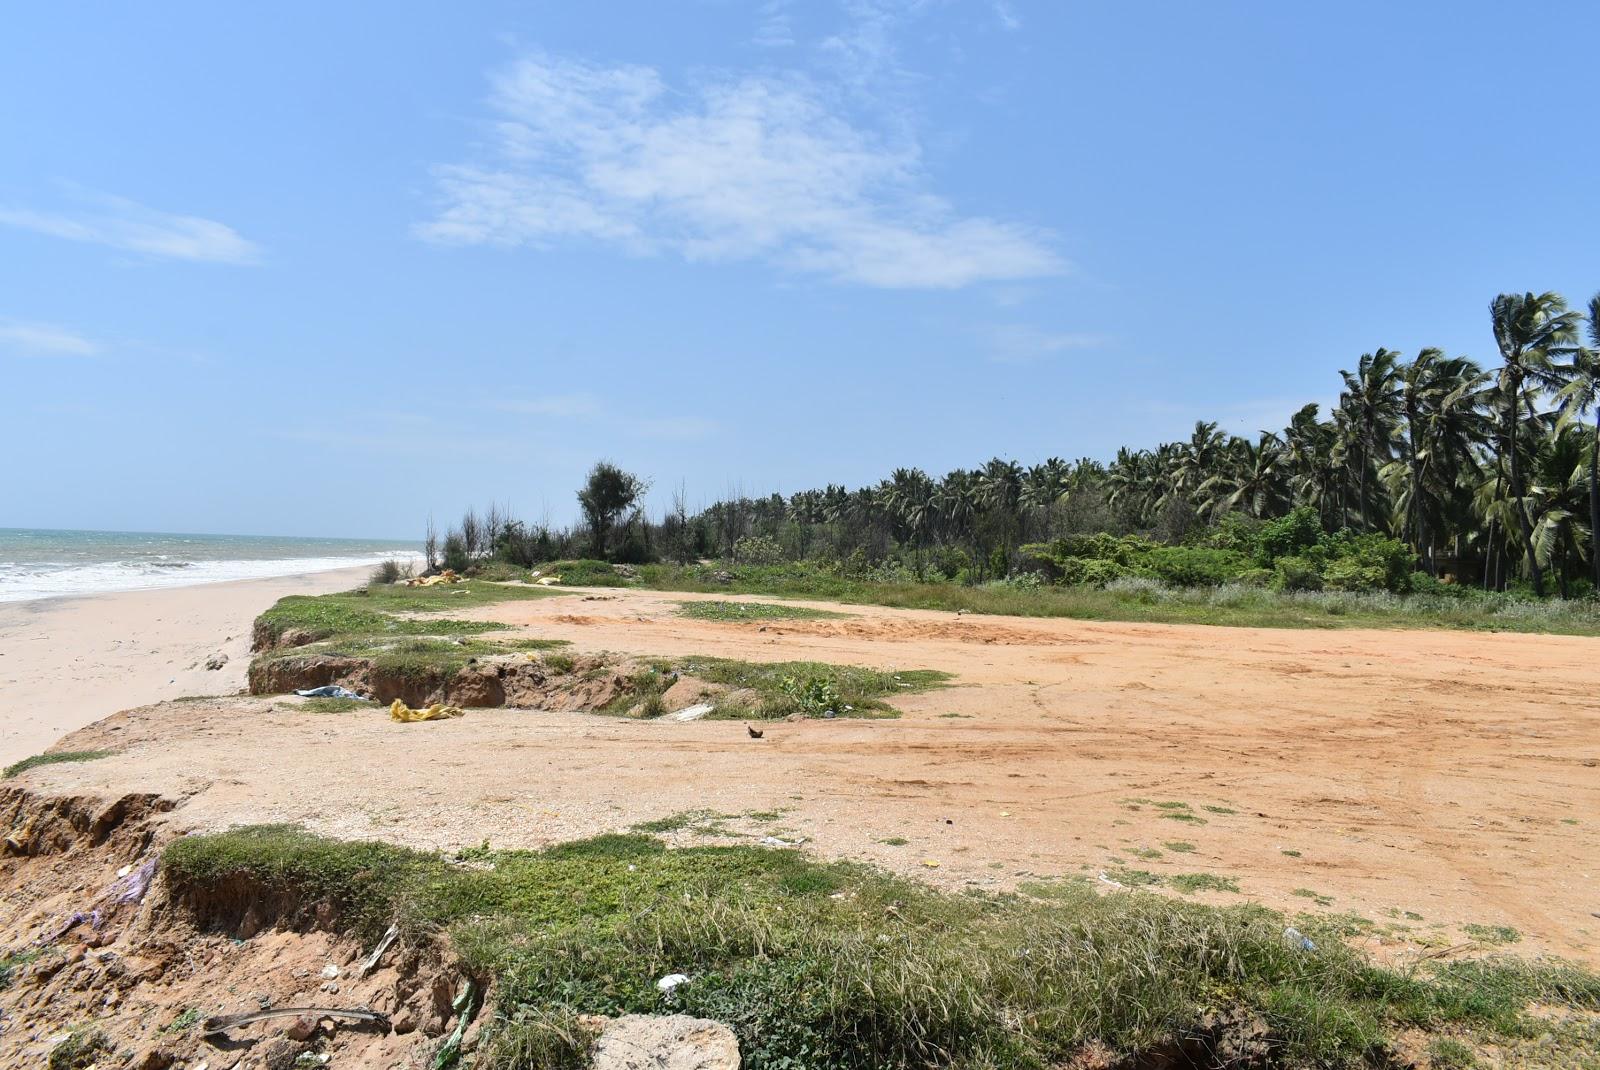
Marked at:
<point>755,733</point>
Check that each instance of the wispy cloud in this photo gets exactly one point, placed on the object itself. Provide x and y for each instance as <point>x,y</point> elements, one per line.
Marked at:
<point>1007,15</point>
<point>103,219</point>
<point>755,167</point>
<point>776,28</point>
<point>1020,343</point>
<point>561,405</point>
<point>43,340</point>
<point>680,428</point>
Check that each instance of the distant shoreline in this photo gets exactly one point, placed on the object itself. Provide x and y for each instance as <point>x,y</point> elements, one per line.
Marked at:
<point>38,564</point>
<point>69,660</point>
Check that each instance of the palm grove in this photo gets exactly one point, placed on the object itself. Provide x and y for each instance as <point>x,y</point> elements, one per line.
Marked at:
<point>1430,468</point>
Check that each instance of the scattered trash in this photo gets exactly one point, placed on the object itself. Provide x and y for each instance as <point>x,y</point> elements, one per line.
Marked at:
<point>125,870</point>
<point>447,576</point>
<point>931,863</point>
<point>1299,940</point>
<point>1107,880</point>
<point>371,961</point>
<point>1005,813</point>
<point>331,691</point>
<point>546,581</point>
<point>330,971</point>
<point>671,981</point>
<point>224,1022</point>
<point>131,886</point>
<point>773,841</point>
<point>465,1006</point>
<point>691,713</point>
<point>399,711</point>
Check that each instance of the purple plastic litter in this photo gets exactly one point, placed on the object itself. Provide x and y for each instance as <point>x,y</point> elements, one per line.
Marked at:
<point>131,889</point>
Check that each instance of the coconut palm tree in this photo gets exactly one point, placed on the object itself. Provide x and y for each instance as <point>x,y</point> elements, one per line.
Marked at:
<point>1581,394</point>
<point>1253,480</point>
<point>1530,331</point>
<point>1438,402</point>
<point>1371,400</point>
<point>1309,458</point>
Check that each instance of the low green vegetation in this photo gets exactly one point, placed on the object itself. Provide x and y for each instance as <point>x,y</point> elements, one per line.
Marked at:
<point>82,1049</point>
<point>741,611</point>
<point>1179,847</point>
<point>809,688</point>
<point>388,611</point>
<point>53,758</point>
<point>836,964</point>
<point>1202,882</point>
<point>12,962</point>
<point>1143,599</point>
<point>1492,934</point>
<point>1316,896</point>
<point>336,705</point>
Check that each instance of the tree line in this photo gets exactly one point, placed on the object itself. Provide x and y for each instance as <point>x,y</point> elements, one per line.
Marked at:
<point>1488,476</point>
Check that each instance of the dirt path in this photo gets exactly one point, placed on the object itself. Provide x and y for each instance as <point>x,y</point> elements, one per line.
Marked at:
<point>1421,780</point>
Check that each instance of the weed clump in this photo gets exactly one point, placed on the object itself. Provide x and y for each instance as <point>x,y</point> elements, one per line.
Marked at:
<point>53,758</point>
<point>833,964</point>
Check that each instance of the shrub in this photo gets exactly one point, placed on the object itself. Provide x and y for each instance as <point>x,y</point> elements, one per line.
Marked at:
<point>388,572</point>
<point>1296,574</point>
<point>757,550</point>
<point>1195,566</point>
<point>455,555</point>
<point>1288,536</point>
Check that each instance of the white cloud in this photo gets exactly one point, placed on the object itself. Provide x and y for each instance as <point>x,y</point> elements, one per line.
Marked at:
<point>120,223</point>
<point>1019,343</point>
<point>679,428</point>
<point>1007,15</point>
<point>42,339</point>
<point>563,405</point>
<point>776,29</point>
<point>751,167</point>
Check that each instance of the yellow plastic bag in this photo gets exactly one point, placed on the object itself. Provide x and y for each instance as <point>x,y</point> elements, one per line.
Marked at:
<point>399,711</point>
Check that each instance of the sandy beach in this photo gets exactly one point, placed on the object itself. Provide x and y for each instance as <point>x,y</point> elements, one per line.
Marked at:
<point>67,662</point>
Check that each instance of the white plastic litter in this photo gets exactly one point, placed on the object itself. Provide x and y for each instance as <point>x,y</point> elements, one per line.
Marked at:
<point>330,971</point>
<point>1298,939</point>
<point>773,841</point>
<point>1107,880</point>
<point>670,982</point>
<point>691,713</point>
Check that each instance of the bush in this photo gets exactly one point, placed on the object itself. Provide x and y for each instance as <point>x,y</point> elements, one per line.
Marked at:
<point>1296,574</point>
<point>388,572</point>
<point>1195,566</point>
<point>757,550</point>
<point>1349,574</point>
<point>455,555</point>
<point>1288,536</point>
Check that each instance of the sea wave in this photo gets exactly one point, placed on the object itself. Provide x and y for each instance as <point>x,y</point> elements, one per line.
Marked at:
<point>30,581</point>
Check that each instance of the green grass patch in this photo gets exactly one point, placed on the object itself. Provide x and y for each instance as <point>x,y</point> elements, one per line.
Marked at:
<point>336,705</point>
<point>1185,816</point>
<point>1182,847</point>
<point>1228,605</point>
<point>1203,882</point>
<point>1308,893</point>
<point>833,964</point>
<point>1219,810</point>
<point>895,841</point>
<point>1492,934</point>
<point>585,572</point>
<point>741,611</point>
<point>13,962</point>
<point>53,758</point>
<point>1133,878</point>
<point>390,611</point>
<point>811,688</point>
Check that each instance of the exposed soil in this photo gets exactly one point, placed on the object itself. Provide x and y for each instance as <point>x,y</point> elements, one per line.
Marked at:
<point>1450,775</point>
<point>103,954</point>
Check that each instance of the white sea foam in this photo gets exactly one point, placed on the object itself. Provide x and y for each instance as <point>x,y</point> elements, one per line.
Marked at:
<point>31,580</point>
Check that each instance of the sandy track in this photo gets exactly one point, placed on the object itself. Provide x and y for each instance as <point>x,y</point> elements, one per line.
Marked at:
<point>1450,775</point>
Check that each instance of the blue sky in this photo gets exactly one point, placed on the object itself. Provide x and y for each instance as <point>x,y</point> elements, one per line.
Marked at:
<point>324,268</point>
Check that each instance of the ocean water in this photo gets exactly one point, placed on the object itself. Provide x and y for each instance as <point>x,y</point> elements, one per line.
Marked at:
<point>36,563</point>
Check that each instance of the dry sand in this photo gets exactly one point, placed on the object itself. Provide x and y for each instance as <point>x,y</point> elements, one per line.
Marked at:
<point>66,662</point>
<point>1425,781</point>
